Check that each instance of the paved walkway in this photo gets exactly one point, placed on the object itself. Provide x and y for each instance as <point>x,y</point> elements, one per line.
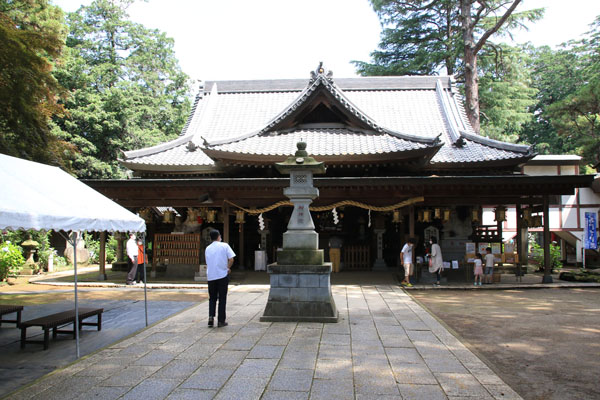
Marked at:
<point>384,347</point>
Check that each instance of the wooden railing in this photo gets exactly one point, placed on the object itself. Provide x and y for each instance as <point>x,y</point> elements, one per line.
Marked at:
<point>357,257</point>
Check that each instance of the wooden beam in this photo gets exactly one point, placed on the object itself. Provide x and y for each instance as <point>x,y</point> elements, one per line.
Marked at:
<point>547,258</point>
<point>102,256</point>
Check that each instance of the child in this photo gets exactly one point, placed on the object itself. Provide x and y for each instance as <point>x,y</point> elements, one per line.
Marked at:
<point>478,269</point>
<point>140,275</point>
<point>406,255</point>
<point>489,265</point>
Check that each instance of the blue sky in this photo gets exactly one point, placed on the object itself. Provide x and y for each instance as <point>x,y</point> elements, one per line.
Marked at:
<point>260,39</point>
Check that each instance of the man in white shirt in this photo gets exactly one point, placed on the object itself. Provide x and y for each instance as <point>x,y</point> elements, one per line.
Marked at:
<point>407,261</point>
<point>132,255</point>
<point>219,259</point>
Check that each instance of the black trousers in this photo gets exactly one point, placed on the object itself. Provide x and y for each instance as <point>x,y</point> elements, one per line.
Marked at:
<point>132,269</point>
<point>140,274</point>
<point>217,290</point>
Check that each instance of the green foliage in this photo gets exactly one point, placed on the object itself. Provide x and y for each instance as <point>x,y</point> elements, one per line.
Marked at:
<point>93,245</point>
<point>426,37</point>
<point>32,36</point>
<point>42,237</point>
<point>111,249</point>
<point>505,94</point>
<point>11,259</point>
<point>127,89</point>
<point>538,255</point>
<point>567,112</point>
<point>415,40</point>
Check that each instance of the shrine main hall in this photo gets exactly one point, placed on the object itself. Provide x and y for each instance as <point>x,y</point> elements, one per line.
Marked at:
<point>402,161</point>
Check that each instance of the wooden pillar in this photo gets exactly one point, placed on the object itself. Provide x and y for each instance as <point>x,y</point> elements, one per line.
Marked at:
<point>102,256</point>
<point>226,223</point>
<point>518,223</point>
<point>411,221</point>
<point>241,246</point>
<point>547,258</point>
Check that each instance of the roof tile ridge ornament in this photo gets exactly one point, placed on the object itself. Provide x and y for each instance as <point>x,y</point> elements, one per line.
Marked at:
<point>183,139</point>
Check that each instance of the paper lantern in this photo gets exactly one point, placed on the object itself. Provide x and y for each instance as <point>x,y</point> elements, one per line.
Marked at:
<point>396,217</point>
<point>239,217</point>
<point>426,215</point>
<point>475,215</point>
<point>211,216</point>
<point>446,215</point>
<point>500,214</point>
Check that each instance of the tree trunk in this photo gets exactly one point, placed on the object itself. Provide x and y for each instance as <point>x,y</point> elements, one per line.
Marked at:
<point>470,60</point>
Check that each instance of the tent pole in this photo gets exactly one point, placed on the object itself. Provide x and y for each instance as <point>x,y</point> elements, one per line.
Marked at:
<point>145,287</point>
<point>76,326</point>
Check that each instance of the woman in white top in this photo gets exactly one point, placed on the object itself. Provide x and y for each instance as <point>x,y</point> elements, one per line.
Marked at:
<point>437,262</point>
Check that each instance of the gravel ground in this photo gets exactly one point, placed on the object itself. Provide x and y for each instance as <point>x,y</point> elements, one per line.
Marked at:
<point>544,343</point>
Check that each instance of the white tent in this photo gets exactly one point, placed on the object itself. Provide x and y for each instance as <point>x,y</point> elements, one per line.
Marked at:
<point>38,196</point>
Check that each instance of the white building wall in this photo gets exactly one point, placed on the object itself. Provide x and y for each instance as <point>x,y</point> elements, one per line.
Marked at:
<point>568,216</point>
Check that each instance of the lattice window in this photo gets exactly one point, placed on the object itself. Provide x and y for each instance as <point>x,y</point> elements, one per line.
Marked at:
<point>300,179</point>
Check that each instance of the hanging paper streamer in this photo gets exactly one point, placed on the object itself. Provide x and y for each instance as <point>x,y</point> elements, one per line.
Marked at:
<point>369,219</point>
<point>261,222</point>
<point>336,219</point>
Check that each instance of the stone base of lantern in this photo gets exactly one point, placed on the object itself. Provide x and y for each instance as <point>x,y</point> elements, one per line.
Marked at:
<point>300,257</point>
<point>300,293</point>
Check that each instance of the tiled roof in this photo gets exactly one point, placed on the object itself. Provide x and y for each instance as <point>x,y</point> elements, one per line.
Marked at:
<point>399,113</point>
<point>321,142</point>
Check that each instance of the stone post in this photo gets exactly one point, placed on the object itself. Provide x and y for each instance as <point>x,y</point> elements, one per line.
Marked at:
<point>379,262</point>
<point>300,279</point>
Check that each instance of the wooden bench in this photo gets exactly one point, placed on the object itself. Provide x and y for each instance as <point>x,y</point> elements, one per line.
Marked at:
<point>59,320</point>
<point>9,309</point>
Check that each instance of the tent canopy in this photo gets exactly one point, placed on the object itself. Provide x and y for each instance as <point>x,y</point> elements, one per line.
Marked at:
<point>38,196</point>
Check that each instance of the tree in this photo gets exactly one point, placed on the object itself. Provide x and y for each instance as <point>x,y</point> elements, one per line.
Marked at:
<point>423,36</point>
<point>32,36</point>
<point>567,112</point>
<point>127,89</point>
<point>555,75</point>
<point>506,94</point>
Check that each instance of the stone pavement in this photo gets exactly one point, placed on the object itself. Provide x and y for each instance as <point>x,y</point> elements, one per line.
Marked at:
<point>385,346</point>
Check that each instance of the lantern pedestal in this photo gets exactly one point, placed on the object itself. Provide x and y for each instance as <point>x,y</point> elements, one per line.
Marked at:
<point>300,280</point>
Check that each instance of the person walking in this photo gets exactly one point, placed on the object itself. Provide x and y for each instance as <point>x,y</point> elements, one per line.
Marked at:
<point>219,259</point>
<point>407,261</point>
<point>436,263</point>
<point>489,266</point>
<point>132,255</point>
<point>478,269</point>
<point>140,275</point>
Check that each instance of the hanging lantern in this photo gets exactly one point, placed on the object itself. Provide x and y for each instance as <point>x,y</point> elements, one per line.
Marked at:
<point>420,216</point>
<point>446,215</point>
<point>500,214</point>
<point>396,217</point>
<point>200,219</point>
<point>168,217</point>
<point>537,221</point>
<point>475,215</point>
<point>211,216</point>
<point>437,213</point>
<point>239,217</point>
<point>527,216</point>
<point>426,215</point>
<point>146,214</point>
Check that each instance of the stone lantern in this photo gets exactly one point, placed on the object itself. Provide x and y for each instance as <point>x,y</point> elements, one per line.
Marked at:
<point>30,246</point>
<point>300,280</point>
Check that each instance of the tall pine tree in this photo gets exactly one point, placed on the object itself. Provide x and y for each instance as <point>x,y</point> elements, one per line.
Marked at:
<point>425,37</point>
<point>31,39</point>
<point>127,89</point>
